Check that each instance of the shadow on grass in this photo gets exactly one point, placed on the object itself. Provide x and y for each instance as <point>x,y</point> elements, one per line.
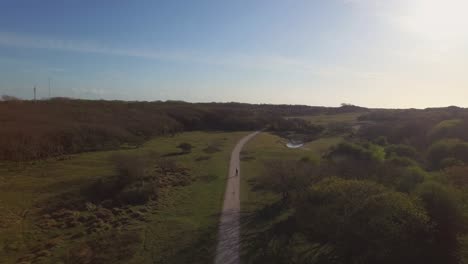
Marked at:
<point>266,234</point>
<point>173,154</point>
<point>199,246</point>
<point>194,247</point>
<point>259,229</point>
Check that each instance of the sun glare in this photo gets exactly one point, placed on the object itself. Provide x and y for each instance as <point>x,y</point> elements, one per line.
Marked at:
<point>437,19</point>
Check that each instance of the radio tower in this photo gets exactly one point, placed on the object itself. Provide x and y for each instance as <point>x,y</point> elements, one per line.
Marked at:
<point>34,92</point>
<point>49,89</point>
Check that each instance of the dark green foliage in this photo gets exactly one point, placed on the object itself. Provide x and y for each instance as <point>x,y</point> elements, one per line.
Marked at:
<point>341,221</point>
<point>348,150</point>
<point>401,151</point>
<point>409,178</point>
<point>400,174</point>
<point>382,141</point>
<point>363,222</point>
<point>132,183</point>
<point>286,177</point>
<point>385,207</point>
<point>443,207</point>
<point>457,176</point>
<point>296,129</point>
<point>354,161</point>
<point>450,128</point>
<point>138,194</point>
<point>129,168</point>
<point>338,128</point>
<point>448,148</point>
<point>450,162</point>
<point>401,161</point>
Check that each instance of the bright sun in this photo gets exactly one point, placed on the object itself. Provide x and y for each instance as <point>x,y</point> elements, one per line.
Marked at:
<point>436,19</point>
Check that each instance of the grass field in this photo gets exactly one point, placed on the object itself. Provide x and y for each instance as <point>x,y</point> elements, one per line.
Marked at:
<point>328,119</point>
<point>180,227</point>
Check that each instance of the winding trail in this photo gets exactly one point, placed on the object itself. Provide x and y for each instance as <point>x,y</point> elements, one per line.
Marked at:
<point>228,249</point>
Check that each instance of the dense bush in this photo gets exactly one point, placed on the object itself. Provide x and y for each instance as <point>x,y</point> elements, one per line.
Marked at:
<point>295,129</point>
<point>348,150</point>
<point>286,177</point>
<point>363,222</point>
<point>450,128</point>
<point>185,147</point>
<point>457,175</point>
<point>447,148</point>
<point>401,151</point>
<point>443,207</point>
<point>129,168</point>
<point>132,183</point>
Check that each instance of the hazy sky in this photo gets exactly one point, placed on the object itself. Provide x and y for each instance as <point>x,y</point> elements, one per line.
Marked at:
<point>376,53</point>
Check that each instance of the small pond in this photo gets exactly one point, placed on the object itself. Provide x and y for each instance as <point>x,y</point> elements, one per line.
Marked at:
<point>294,144</point>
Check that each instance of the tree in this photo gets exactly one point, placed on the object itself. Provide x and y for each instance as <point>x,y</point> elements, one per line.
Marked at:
<point>401,150</point>
<point>285,177</point>
<point>442,205</point>
<point>447,148</point>
<point>363,222</point>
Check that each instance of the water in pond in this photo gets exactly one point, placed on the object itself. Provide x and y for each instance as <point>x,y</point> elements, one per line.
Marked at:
<point>294,144</point>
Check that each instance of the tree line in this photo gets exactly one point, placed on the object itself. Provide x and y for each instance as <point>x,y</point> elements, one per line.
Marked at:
<point>47,128</point>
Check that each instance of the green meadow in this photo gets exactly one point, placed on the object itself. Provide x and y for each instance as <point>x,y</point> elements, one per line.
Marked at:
<point>180,224</point>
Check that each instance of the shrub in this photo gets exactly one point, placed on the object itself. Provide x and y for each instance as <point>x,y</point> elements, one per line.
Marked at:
<point>457,175</point>
<point>185,147</point>
<point>138,194</point>
<point>447,128</point>
<point>363,222</point>
<point>442,204</point>
<point>129,168</point>
<point>285,177</point>
<point>450,162</point>
<point>409,178</point>
<point>447,148</point>
<point>381,140</point>
<point>401,151</point>
<point>401,161</point>
<point>351,150</point>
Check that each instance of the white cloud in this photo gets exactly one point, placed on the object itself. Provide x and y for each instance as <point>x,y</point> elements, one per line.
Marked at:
<point>245,61</point>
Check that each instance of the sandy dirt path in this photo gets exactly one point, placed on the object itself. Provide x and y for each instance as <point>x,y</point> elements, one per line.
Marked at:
<point>228,249</point>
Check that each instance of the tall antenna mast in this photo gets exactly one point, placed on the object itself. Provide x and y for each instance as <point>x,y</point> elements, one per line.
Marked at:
<point>49,89</point>
<point>34,92</point>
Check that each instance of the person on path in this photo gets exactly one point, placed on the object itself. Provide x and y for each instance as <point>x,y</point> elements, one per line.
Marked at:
<point>237,171</point>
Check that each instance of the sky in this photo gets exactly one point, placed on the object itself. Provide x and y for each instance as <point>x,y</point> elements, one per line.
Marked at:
<point>373,53</point>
